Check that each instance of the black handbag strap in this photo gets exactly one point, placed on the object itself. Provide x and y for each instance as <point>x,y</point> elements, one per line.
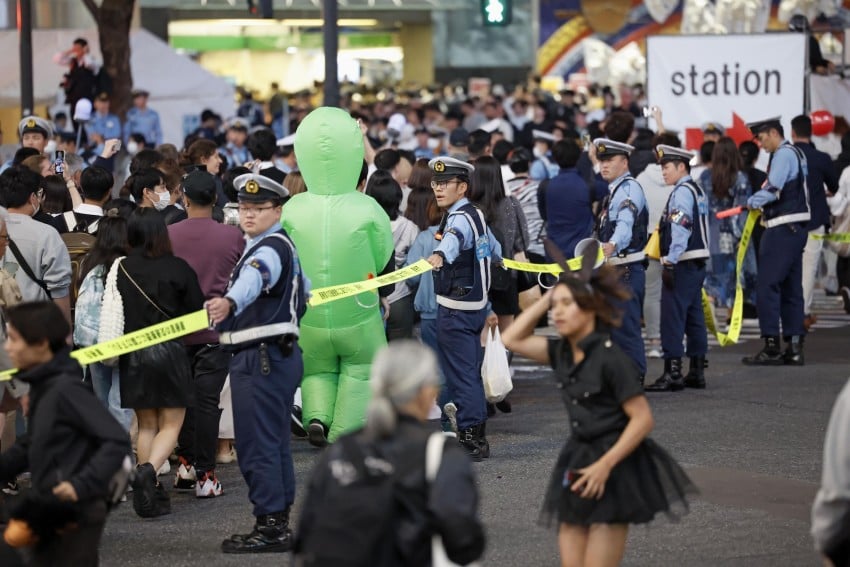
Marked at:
<point>140,290</point>
<point>22,263</point>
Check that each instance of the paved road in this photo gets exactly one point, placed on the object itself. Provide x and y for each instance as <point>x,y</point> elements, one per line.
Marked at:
<point>751,441</point>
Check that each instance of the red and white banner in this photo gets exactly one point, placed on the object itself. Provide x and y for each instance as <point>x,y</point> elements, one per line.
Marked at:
<point>729,79</point>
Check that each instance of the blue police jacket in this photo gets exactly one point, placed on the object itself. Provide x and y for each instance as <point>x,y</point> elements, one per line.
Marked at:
<point>683,228</point>
<point>282,300</point>
<point>786,178</point>
<point>144,122</point>
<point>821,177</point>
<point>624,220</point>
<point>107,125</point>
<point>464,280</point>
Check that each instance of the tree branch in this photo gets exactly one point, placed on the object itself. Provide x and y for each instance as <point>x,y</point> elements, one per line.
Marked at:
<point>93,8</point>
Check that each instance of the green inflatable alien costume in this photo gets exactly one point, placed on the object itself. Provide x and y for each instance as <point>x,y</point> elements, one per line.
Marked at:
<point>342,236</point>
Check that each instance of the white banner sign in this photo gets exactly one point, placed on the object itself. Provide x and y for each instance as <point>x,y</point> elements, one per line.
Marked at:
<point>729,79</point>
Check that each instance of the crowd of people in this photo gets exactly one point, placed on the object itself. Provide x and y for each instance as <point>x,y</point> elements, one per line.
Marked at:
<point>463,183</point>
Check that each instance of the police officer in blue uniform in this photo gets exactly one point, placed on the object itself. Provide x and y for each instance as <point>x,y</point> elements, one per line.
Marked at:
<point>784,202</point>
<point>143,120</point>
<point>622,231</point>
<point>258,318</point>
<point>462,259</point>
<point>683,231</point>
<point>103,125</point>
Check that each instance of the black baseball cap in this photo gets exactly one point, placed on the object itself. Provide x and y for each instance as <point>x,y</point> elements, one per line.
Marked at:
<point>200,187</point>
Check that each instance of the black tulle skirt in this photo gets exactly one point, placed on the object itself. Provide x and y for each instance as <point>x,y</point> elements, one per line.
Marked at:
<point>645,483</point>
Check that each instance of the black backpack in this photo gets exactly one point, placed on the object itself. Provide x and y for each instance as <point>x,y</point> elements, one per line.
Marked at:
<point>353,517</point>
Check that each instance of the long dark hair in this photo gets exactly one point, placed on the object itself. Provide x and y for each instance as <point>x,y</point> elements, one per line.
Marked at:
<point>725,165</point>
<point>386,191</point>
<point>420,176</point>
<point>57,199</point>
<point>111,243</point>
<point>147,230</point>
<point>422,208</point>
<point>486,188</point>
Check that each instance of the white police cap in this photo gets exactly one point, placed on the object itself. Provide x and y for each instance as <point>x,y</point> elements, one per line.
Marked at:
<point>666,153</point>
<point>761,125</point>
<point>257,188</point>
<point>286,140</point>
<point>446,168</point>
<point>606,148</point>
<point>35,124</point>
<point>713,128</point>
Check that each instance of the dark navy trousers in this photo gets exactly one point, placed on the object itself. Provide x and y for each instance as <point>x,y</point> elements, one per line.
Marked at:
<point>779,289</point>
<point>261,414</point>
<point>628,336</point>
<point>681,311</point>
<point>459,352</point>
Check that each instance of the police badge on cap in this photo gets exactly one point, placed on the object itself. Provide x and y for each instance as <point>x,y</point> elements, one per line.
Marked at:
<point>256,188</point>
<point>606,149</point>
<point>666,153</point>
<point>446,168</point>
<point>35,124</point>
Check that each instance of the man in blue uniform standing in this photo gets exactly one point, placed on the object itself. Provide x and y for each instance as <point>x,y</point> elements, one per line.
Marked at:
<point>784,202</point>
<point>684,250</point>
<point>259,318</point>
<point>103,124</point>
<point>461,262</point>
<point>143,120</point>
<point>622,230</point>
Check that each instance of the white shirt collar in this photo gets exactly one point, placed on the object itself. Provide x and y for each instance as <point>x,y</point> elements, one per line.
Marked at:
<point>87,209</point>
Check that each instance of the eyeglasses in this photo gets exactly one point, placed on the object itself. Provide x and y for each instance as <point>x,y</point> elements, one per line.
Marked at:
<point>443,184</point>
<point>252,211</point>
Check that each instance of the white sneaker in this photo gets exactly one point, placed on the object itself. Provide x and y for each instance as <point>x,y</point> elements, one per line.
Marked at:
<point>208,487</point>
<point>653,352</point>
<point>164,469</point>
<point>186,479</point>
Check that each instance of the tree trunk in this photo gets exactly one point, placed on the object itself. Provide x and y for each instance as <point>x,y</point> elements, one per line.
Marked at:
<point>113,22</point>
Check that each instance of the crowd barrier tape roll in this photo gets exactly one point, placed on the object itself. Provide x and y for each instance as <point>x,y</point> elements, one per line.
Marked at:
<point>137,340</point>
<point>737,320</point>
<point>834,237</point>
<point>323,295</point>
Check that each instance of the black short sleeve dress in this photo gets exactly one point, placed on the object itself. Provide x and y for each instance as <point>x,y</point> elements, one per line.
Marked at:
<point>646,482</point>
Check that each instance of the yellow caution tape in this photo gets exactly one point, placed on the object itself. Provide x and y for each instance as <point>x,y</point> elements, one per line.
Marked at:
<point>835,237</point>
<point>737,320</point>
<point>137,340</point>
<point>554,269</point>
<point>333,293</point>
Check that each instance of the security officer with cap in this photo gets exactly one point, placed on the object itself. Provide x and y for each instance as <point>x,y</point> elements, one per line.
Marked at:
<point>683,231</point>
<point>712,132</point>
<point>462,261</point>
<point>543,167</point>
<point>234,150</point>
<point>622,230</point>
<point>784,202</point>
<point>258,318</point>
<point>35,132</point>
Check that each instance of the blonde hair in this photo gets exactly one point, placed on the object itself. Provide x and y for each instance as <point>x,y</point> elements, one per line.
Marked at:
<point>399,372</point>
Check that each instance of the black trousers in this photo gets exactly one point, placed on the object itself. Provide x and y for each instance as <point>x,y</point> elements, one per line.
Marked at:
<point>198,437</point>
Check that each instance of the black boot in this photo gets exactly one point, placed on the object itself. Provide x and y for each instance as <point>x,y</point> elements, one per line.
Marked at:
<point>317,433</point>
<point>144,491</point>
<point>793,355</point>
<point>271,534</point>
<point>696,373</point>
<point>468,439</point>
<point>671,380</point>
<point>482,440</point>
<point>770,355</point>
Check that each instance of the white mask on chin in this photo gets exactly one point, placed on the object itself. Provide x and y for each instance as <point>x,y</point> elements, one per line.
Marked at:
<point>163,201</point>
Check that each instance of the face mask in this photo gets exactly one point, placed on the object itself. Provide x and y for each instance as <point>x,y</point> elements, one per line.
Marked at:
<point>50,147</point>
<point>539,152</point>
<point>163,201</point>
<point>132,148</point>
<point>433,143</point>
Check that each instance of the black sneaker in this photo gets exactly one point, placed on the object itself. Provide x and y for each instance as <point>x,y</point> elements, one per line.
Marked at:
<point>296,425</point>
<point>845,295</point>
<point>317,433</point>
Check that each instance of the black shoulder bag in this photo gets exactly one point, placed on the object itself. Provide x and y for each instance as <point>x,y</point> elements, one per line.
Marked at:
<point>22,263</point>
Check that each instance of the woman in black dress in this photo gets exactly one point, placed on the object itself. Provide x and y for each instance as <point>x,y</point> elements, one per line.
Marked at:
<point>609,474</point>
<point>156,381</point>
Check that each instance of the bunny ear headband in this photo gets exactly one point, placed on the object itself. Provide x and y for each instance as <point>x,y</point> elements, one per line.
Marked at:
<point>582,277</point>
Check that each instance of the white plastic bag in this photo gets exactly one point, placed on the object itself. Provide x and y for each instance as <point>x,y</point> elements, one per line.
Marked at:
<point>495,371</point>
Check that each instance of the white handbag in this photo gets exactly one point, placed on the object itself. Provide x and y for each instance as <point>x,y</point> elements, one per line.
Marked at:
<point>433,458</point>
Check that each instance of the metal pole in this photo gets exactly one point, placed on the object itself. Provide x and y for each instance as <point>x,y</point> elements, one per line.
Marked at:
<point>25,36</point>
<point>330,34</point>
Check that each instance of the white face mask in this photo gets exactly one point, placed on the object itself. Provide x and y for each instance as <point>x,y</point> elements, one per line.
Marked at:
<point>539,152</point>
<point>50,147</point>
<point>132,147</point>
<point>163,201</point>
<point>433,143</point>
